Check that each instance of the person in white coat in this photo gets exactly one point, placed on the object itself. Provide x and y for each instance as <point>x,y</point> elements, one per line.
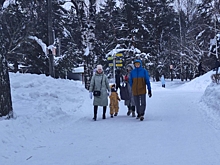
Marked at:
<point>162,79</point>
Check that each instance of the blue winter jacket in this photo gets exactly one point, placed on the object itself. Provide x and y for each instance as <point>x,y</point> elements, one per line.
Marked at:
<point>138,80</point>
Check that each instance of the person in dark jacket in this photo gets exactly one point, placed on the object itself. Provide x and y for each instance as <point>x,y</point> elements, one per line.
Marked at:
<point>130,101</point>
<point>200,69</point>
<point>217,65</point>
<point>118,79</point>
<point>138,80</point>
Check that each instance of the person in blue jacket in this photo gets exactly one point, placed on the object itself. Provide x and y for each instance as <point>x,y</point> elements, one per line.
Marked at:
<point>162,79</point>
<point>138,80</point>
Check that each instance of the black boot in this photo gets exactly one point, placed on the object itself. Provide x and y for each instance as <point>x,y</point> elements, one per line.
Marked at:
<point>104,112</point>
<point>129,110</point>
<point>95,113</point>
<point>133,111</point>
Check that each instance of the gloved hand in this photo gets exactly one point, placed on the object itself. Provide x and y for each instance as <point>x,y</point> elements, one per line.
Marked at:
<point>109,93</point>
<point>90,95</point>
<point>149,93</point>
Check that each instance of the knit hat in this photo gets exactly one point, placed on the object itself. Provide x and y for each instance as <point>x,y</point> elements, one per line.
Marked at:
<point>113,88</point>
<point>130,67</point>
<point>99,67</point>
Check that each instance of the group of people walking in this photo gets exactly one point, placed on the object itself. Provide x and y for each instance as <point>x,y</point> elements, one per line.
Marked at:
<point>135,82</point>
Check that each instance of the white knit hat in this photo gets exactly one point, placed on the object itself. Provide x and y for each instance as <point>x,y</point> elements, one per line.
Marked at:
<point>99,67</point>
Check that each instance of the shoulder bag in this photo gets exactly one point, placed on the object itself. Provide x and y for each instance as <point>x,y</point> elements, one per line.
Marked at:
<point>98,92</point>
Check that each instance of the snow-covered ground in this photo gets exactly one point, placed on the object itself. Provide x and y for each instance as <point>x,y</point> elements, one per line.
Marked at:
<point>54,126</point>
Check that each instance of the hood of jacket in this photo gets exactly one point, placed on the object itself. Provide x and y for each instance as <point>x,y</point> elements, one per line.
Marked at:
<point>139,61</point>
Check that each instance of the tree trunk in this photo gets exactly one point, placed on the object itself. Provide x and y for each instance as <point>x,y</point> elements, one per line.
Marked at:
<point>5,92</point>
<point>50,38</point>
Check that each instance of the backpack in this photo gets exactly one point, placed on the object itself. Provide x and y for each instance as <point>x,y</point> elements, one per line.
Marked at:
<point>124,93</point>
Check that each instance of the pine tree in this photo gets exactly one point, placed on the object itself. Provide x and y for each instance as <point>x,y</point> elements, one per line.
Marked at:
<point>106,35</point>
<point>68,32</point>
<point>16,32</point>
<point>190,46</point>
<point>159,27</point>
<point>208,26</point>
<point>65,38</point>
<point>86,40</point>
<point>22,23</point>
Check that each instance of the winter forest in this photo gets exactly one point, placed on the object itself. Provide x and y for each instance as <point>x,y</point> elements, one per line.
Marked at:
<point>51,37</point>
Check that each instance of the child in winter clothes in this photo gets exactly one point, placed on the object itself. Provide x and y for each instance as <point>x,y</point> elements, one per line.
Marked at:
<point>114,98</point>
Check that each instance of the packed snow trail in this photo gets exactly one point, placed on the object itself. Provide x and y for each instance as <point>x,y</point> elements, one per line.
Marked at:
<point>54,126</point>
<point>170,134</point>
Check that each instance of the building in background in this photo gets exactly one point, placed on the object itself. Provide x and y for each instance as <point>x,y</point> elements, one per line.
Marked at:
<point>76,74</point>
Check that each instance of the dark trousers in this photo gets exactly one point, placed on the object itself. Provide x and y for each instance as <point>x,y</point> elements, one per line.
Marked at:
<point>131,107</point>
<point>96,110</point>
<point>118,86</point>
<point>140,103</point>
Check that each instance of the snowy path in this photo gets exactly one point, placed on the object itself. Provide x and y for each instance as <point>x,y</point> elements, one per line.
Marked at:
<point>182,131</point>
<point>54,126</point>
<point>172,135</point>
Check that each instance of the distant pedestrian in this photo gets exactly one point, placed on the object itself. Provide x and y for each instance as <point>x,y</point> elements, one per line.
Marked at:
<point>187,75</point>
<point>114,101</point>
<point>138,80</point>
<point>99,88</point>
<point>162,79</point>
<point>200,69</point>
<point>217,65</point>
<point>118,79</point>
<point>157,76</point>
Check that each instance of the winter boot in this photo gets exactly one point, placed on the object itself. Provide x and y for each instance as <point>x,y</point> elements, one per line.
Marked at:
<point>104,112</point>
<point>111,116</point>
<point>141,118</point>
<point>129,112</point>
<point>133,114</point>
<point>133,111</point>
<point>95,113</point>
<point>115,114</point>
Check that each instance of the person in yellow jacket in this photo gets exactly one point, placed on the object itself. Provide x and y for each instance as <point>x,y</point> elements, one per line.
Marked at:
<point>114,100</point>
